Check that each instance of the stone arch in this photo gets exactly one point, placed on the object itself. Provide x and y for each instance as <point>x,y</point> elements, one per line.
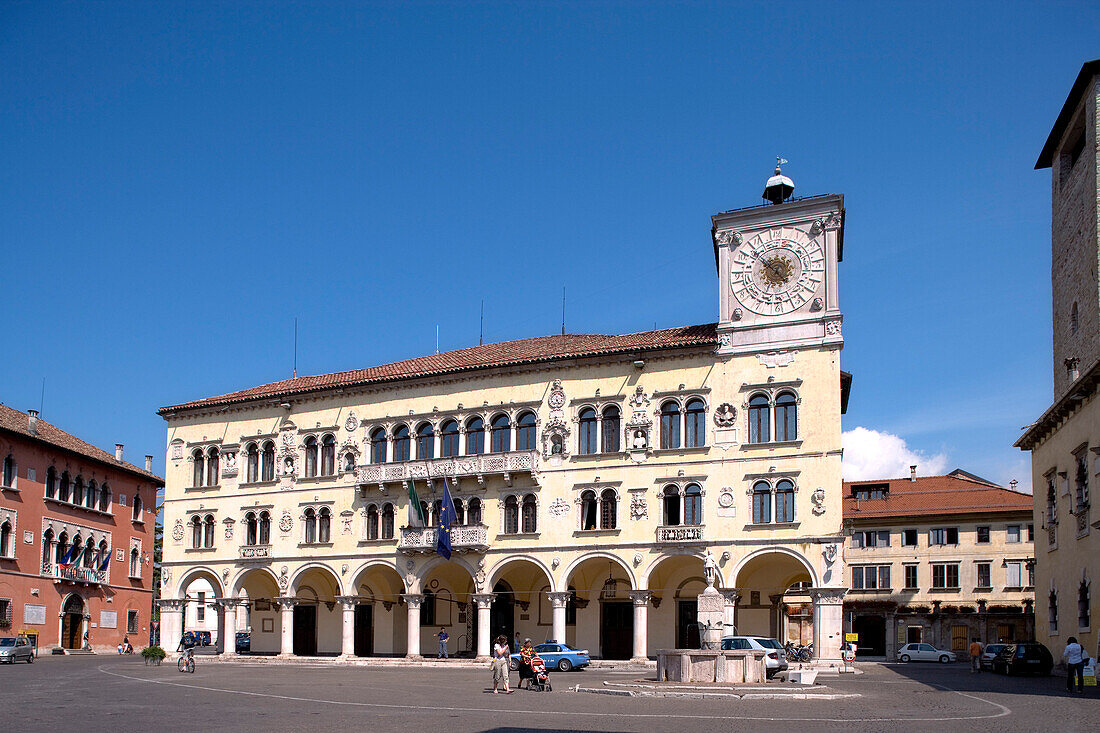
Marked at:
<point>652,567</point>
<point>502,565</point>
<point>563,581</point>
<point>238,582</point>
<point>425,570</point>
<point>357,577</point>
<point>200,572</point>
<point>762,552</point>
<point>333,576</point>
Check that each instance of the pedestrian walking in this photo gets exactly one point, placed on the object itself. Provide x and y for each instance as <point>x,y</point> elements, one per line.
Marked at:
<point>1074,657</point>
<point>526,654</point>
<point>975,656</point>
<point>499,664</point>
<point>443,637</point>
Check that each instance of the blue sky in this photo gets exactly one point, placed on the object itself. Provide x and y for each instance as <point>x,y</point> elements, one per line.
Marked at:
<point>180,181</point>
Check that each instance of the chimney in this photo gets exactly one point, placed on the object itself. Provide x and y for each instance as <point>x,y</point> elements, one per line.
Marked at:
<point>912,473</point>
<point>118,452</point>
<point>32,421</point>
<point>149,464</point>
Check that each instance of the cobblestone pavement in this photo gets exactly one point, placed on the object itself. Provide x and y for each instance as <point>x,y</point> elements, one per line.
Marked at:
<point>111,693</point>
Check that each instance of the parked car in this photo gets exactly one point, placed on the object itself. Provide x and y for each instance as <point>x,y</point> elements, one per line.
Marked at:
<point>990,651</point>
<point>244,642</point>
<point>1028,657</point>
<point>560,656</point>
<point>15,648</point>
<point>775,657</point>
<point>925,653</point>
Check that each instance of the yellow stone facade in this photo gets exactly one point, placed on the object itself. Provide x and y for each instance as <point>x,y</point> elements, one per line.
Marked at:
<point>527,559</point>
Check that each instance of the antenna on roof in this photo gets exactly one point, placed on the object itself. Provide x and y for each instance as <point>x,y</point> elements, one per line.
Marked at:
<point>562,310</point>
<point>481,334</point>
<point>295,347</point>
<point>437,338</point>
<point>42,399</point>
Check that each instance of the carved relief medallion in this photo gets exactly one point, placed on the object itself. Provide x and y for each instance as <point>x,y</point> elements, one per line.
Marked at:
<point>725,416</point>
<point>177,530</point>
<point>352,422</point>
<point>817,498</point>
<point>638,507</point>
<point>559,507</point>
<point>286,522</point>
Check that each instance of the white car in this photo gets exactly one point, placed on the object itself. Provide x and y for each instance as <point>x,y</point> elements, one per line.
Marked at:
<point>924,653</point>
<point>775,659</point>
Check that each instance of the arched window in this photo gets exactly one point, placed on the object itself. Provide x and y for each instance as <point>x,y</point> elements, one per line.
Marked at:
<point>761,503</point>
<point>511,515</point>
<point>693,504</point>
<point>608,507</point>
<point>9,471</point>
<point>133,563</point>
<point>137,509</point>
<point>105,500</point>
<point>696,417</point>
<point>784,501</point>
<point>198,461</point>
<point>267,462</point>
<point>51,482</point>
<point>252,474</point>
<point>401,445</point>
<point>324,525</point>
<point>47,546</point>
<point>1074,321</point>
<point>449,439</point>
<point>425,441</point>
<point>62,547</point>
<point>427,609</point>
<point>372,522</point>
<point>78,491</point>
<point>1084,615</point>
<point>760,429</point>
<point>196,531</point>
<point>89,553</point>
<point>1052,611</point>
<point>91,499</point>
<point>588,510</point>
<point>475,436</point>
<point>670,425</point>
<point>611,429</point>
<point>104,554</point>
<point>460,513</point>
<point>501,434</point>
<point>437,512</point>
<point>786,417</point>
<point>473,513</point>
<point>671,501</point>
<point>65,487</point>
<point>387,522</point>
<point>378,445</point>
<point>328,455</point>
<point>525,432</point>
<point>208,531</point>
<point>251,529</point>
<point>586,433</point>
<point>530,523</point>
<point>5,539</point>
<point>265,528</point>
<point>212,467</point>
<point>311,456</point>
<point>310,526</point>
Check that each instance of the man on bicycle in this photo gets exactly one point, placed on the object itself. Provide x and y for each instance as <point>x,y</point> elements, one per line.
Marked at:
<point>187,656</point>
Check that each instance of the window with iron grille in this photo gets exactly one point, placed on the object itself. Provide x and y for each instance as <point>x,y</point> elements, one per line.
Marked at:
<point>5,613</point>
<point>131,622</point>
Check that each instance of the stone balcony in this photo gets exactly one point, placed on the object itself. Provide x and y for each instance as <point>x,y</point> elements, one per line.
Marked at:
<point>255,553</point>
<point>478,467</point>
<point>473,538</point>
<point>680,533</point>
<point>74,574</point>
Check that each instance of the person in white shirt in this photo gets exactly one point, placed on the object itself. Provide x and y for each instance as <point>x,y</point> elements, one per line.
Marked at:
<point>1074,657</point>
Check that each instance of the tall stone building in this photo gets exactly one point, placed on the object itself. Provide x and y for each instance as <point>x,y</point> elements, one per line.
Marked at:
<point>1065,441</point>
<point>591,474</point>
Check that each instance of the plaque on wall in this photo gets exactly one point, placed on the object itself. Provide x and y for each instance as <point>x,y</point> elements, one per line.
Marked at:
<point>34,614</point>
<point>108,619</point>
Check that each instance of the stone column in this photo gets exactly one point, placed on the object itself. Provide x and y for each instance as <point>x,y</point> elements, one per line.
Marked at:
<point>641,600</point>
<point>286,625</point>
<point>559,602</point>
<point>777,617</point>
<point>347,645</point>
<point>729,610</point>
<point>828,622</point>
<point>171,623</point>
<point>484,602</point>
<point>412,632</point>
<point>227,634</point>
<point>890,647</point>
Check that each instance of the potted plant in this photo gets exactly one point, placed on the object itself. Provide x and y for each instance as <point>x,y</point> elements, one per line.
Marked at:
<point>153,654</point>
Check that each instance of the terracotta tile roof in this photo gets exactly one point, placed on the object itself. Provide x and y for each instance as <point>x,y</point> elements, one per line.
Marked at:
<point>956,493</point>
<point>14,421</point>
<point>504,354</point>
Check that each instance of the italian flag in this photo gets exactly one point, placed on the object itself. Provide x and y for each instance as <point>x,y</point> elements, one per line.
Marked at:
<point>416,512</point>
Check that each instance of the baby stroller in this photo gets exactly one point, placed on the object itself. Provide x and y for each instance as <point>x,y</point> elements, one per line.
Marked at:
<point>541,681</point>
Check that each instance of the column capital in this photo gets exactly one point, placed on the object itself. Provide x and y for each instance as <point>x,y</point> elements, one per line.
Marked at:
<point>413,599</point>
<point>227,602</point>
<point>559,599</point>
<point>732,595</point>
<point>828,596</point>
<point>484,600</point>
<point>170,604</point>
<point>285,603</point>
<point>347,602</point>
<point>640,597</point>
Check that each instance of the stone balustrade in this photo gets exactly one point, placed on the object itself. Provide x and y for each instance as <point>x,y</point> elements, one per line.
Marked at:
<point>474,538</point>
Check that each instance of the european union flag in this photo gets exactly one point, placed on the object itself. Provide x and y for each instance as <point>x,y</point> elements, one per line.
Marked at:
<point>446,521</point>
<point>106,561</point>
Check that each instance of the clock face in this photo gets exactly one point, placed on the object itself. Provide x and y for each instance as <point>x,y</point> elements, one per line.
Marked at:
<point>777,271</point>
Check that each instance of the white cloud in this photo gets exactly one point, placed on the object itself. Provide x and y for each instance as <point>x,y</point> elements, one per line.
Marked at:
<point>869,454</point>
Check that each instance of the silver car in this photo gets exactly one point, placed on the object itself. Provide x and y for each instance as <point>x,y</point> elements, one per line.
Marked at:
<point>990,651</point>
<point>14,648</point>
<point>925,653</point>
<point>775,658</point>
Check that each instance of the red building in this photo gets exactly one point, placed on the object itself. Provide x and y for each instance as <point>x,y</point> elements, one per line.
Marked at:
<point>76,538</point>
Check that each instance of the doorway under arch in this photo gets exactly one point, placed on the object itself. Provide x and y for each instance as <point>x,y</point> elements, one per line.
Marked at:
<point>72,623</point>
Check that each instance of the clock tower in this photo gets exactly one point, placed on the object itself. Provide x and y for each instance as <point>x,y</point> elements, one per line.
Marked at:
<point>777,271</point>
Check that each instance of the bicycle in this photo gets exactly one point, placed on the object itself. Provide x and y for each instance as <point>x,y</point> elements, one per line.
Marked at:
<point>186,662</point>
